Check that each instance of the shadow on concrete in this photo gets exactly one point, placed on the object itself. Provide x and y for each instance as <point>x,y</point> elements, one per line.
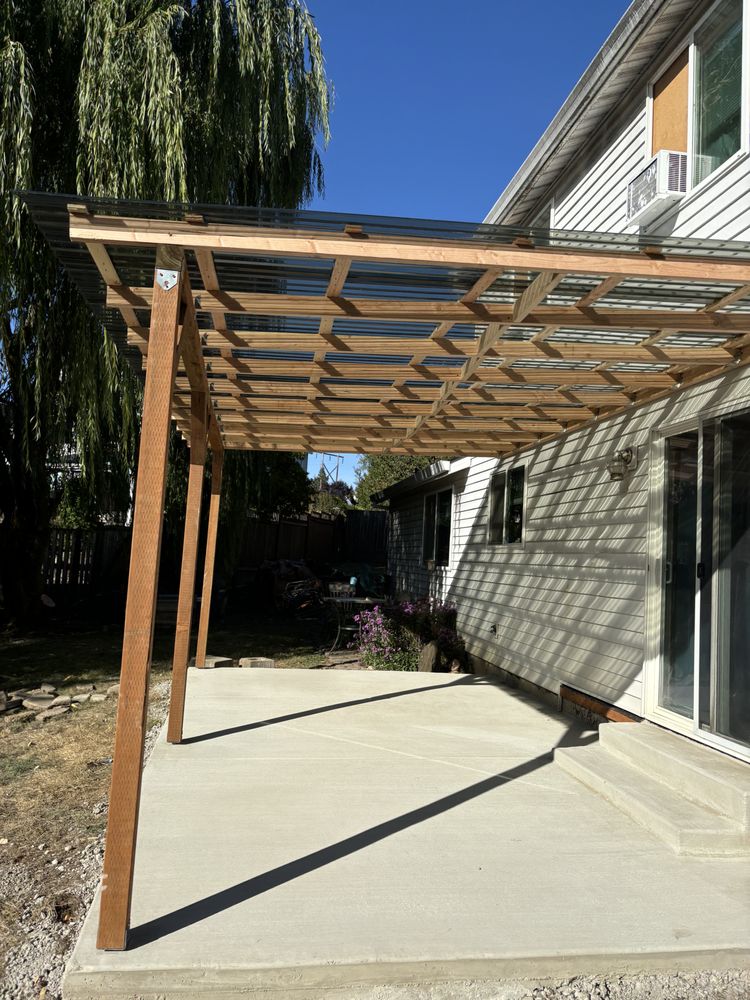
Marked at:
<point>202,909</point>
<point>248,726</point>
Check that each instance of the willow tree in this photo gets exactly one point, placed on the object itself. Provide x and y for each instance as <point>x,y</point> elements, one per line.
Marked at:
<point>188,100</point>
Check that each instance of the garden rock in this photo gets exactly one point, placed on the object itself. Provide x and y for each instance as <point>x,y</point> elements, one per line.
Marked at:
<point>85,687</point>
<point>11,704</point>
<point>98,696</point>
<point>61,699</point>
<point>53,713</point>
<point>257,661</point>
<point>38,701</point>
<point>429,658</point>
<point>48,688</point>
<point>113,691</point>
<point>80,699</point>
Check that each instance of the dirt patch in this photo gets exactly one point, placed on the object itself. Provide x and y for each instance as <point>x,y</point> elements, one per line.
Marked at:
<point>55,780</point>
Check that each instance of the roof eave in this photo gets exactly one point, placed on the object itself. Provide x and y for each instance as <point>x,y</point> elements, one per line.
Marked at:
<point>623,38</point>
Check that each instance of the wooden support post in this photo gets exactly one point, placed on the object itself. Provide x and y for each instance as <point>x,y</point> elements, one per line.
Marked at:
<point>217,463</point>
<point>187,572</point>
<point>125,789</point>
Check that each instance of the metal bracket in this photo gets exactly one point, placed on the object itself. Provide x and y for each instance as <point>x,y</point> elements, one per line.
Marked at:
<point>166,280</point>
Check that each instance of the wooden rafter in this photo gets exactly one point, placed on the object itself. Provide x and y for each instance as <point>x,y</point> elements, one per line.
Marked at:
<point>424,311</point>
<point>355,384</point>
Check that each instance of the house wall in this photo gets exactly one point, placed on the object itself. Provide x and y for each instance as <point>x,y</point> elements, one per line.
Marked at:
<point>568,605</point>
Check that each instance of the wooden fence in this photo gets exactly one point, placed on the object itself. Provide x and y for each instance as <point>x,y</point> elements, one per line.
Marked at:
<point>86,562</point>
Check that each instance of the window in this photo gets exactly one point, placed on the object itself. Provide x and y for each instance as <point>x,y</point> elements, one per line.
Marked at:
<point>436,540</point>
<point>497,509</point>
<point>505,523</point>
<point>717,89</point>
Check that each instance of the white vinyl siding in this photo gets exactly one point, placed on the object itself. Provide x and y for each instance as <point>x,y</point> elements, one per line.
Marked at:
<point>568,606</point>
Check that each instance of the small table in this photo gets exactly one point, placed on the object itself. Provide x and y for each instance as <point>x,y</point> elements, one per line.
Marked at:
<point>345,606</point>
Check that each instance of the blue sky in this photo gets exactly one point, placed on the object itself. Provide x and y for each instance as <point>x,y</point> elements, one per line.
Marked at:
<point>437,104</point>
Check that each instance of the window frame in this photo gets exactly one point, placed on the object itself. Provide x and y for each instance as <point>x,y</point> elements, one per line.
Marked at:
<point>688,42</point>
<point>434,560</point>
<point>504,474</point>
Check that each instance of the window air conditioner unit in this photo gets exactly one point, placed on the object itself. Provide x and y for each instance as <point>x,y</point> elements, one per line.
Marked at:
<point>658,185</point>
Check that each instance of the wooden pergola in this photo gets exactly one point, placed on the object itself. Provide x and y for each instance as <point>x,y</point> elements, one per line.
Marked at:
<point>304,331</point>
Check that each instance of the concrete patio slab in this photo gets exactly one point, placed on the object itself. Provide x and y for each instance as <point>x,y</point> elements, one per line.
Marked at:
<point>324,833</point>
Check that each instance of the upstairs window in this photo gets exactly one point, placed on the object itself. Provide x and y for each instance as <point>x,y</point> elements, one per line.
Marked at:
<point>436,538</point>
<point>717,89</point>
<point>505,523</point>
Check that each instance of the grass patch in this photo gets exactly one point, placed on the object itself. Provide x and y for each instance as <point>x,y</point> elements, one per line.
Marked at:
<point>15,766</point>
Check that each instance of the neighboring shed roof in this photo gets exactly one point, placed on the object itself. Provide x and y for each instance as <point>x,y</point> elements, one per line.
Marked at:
<point>318,332</point>
<point>635,43</point>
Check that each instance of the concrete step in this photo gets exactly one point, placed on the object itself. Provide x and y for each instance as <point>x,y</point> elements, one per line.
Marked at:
<point>687,827</point>
<point>698,772</point>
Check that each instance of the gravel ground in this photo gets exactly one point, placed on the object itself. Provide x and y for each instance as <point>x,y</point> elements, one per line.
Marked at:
<point>50,926</point>
<point>724,985</point>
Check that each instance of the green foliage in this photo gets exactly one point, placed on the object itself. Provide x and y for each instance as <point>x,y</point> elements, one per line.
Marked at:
<point>206,100</point>
<point>330,497</point>
<point>376,472</point>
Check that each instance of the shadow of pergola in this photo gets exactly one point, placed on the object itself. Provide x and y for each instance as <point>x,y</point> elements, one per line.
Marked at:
<point>202,909</point>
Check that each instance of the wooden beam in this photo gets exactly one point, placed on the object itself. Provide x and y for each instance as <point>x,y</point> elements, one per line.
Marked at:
<point>186,597</point>
<point>537,292</point>
<point>338,276</point>
<point>384,249</point>
<point>207,269</point>
<point>471,370</point>
<point>217,463</point>
<point>729,299</point>
<point>481,285</point>
<point>458,349</point>
<point>267,408</point>
<point>602,289</point>
<point>236,386</point>
<point>191,351</point>
<point>122,822</point>
<point>391,310</point>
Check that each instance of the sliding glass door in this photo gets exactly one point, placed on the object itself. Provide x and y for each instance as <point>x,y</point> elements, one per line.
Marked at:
<point>680,557</point>
<point>704,675</point>
<point>731,703</point>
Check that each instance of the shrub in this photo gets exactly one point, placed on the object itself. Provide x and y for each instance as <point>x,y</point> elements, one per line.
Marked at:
<point>384,644</point>
<point>431,620</point>
<point>391,636</point>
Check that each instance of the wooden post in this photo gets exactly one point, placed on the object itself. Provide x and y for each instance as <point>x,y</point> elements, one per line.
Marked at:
<point>187,572</point>
<point>217,462</point>
<point>148,515</point>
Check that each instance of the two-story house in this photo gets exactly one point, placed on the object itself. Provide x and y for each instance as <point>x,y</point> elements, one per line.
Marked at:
<point>613,563</point>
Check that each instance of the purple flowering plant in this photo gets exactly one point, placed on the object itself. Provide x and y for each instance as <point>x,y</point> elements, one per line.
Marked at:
<point>383,644</point>
<point>392,635</point>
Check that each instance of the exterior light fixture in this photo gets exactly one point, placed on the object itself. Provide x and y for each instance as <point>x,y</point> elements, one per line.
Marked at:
<point>622,461</point>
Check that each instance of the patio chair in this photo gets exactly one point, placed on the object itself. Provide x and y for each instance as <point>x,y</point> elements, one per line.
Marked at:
<point>345,608</point>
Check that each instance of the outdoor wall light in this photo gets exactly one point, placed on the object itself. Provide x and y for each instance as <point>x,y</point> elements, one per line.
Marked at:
<point>622,461</point>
